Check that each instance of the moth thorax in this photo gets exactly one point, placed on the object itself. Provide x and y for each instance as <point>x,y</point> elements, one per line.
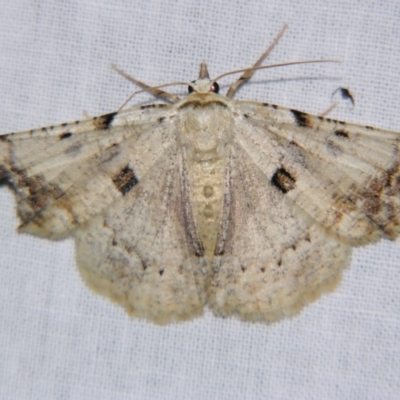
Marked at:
<point>207,129</point>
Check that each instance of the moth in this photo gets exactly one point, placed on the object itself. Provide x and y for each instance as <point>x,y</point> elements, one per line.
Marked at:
<point>249,208</point>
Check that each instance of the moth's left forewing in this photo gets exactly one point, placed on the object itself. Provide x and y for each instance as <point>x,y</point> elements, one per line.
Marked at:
<point>345,175</point>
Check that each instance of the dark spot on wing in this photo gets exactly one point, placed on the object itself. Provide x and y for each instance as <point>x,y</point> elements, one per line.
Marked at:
<point>369,127</point>
<point>147,106</point>
<point>302,119</point>
<point>65,135</point>
<point>274,106</point>
<point>125,180</point>
<point>372,205</point>
<point>243,268</point>
<point>161,271</point>
<point>341,133</point>
<point>34,192</point>
<point>40,194</point>
<point>161,119</point>
<point>246,115</point>
<point>283,180</point>
<point>104,121</point>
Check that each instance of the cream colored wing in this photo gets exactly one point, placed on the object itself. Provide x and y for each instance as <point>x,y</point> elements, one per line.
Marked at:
<point>302,190</point>
<point>116,183</point>
<point>66,174</point>
<point>139,252</point>
<point>345,176</point>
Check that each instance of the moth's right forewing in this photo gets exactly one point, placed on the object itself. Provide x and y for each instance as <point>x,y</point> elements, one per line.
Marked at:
<point>66,174</point>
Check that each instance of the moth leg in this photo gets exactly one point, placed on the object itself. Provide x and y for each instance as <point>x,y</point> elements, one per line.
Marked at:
<point>345,94</point>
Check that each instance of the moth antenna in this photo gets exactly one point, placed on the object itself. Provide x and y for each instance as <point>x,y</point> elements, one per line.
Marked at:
<point>265,67</point>
<point>154,90</point>
<point>248,72</point>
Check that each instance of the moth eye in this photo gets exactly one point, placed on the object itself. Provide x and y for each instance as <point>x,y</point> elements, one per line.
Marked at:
<point>190,88</point>
<point>215,87</point>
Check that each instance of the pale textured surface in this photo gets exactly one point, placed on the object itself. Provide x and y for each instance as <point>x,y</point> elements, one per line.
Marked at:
<point>347,342</point>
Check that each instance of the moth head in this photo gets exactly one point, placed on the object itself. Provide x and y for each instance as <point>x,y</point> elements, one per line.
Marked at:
<point>204,84</point>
